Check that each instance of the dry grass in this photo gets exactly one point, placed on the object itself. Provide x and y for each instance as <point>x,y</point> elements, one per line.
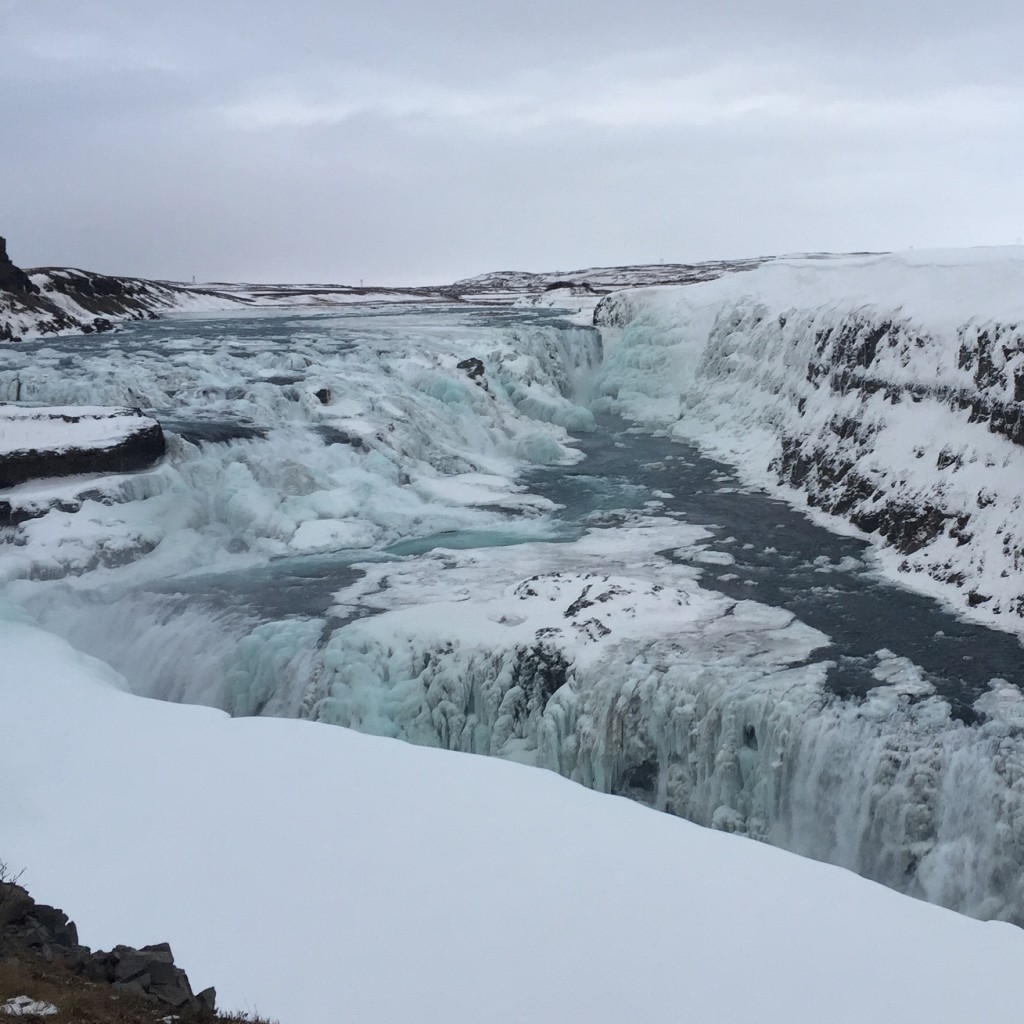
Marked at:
<point>80,1001</point>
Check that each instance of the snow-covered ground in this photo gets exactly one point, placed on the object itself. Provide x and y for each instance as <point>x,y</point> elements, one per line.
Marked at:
<point>68,301</point>
<point>314,874</point>
<point>888,390</point>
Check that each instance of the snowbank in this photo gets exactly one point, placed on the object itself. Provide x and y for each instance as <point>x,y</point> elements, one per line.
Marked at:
<point>313,874</point>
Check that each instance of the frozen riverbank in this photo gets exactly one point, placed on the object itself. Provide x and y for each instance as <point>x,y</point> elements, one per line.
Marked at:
<point>887,391</point>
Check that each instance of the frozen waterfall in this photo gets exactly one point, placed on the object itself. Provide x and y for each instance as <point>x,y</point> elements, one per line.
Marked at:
<point>349,528</point>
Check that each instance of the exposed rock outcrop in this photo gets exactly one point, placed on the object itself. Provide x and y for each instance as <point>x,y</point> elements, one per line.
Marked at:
<point>66,441</point>
<point>34,930</point>
<point>931,514</point>
<point>62,300</point>
<point>13,279</point>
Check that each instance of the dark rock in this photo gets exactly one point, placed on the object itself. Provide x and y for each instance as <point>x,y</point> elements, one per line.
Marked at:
<point>31,929</point>
<point>334,435</point>
<point>539,672</point>
<point>474,367</point>
<point>643,776</point>
<point>324,396</point>
<point>12,278</point>
<point>15,904</point>
<point>204,431</point>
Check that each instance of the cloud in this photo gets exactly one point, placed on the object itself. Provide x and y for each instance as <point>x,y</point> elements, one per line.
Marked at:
<point>253,138</point>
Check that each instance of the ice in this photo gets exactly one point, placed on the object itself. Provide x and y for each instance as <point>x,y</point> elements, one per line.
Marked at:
<point>380,461</point>
<point>602,662</point>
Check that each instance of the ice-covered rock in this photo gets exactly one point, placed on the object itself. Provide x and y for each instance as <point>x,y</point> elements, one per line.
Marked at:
<point>42,442</point>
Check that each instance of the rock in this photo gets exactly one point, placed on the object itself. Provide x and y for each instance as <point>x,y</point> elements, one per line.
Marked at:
<point>15,903</point>
<point>12,278</point>
<point>64,441</point>
<point>324,396</point>
<point>44,931</point>
<point>32,929</point>
<point>474,367</point>
<point>149,972</point>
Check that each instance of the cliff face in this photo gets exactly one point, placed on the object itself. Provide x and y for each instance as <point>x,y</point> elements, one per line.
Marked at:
<point>904,415</point>
<point>930,461</point>
<point>12,279</point>
<point>53,300</point>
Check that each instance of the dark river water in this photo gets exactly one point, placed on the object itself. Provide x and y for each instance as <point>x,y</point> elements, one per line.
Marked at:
<point>777,556</point>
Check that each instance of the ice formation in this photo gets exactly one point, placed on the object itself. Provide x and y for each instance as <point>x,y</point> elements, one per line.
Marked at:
<point>341,532</point>
<point>310,871</point>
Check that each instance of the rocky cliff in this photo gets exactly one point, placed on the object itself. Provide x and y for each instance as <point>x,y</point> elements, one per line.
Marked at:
<point>886,391</point>
<point>50,300</point>
<point>12,279</point>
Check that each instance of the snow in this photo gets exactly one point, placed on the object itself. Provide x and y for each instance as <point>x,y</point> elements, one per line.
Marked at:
<point>940,289</point>
<point>429,449</point>
<point>311,872</point>
<point>25,1006</point>
<point>231,575</point>
<point>57,428</point>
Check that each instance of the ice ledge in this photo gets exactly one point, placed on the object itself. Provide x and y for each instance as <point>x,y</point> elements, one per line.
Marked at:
<point>60,441</point>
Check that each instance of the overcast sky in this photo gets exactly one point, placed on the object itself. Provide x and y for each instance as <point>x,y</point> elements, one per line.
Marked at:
<point>420,142</point>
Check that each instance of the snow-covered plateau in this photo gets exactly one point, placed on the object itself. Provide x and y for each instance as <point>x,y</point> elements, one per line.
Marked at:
<point>500,531</point>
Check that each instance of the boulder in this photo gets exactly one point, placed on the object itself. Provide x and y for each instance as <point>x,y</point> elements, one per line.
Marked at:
<point>30,929</point>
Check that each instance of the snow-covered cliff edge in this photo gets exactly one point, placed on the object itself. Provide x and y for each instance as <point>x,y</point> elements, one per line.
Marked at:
<point>63,300</point>
<point>886,390</point>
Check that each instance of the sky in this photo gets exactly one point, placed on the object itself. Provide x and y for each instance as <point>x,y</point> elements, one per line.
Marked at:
<point>415,143</point>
